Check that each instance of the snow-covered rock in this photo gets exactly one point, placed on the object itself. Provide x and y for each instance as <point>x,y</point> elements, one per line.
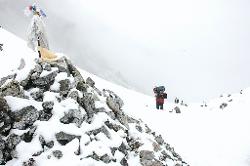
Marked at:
<point>41,124</point>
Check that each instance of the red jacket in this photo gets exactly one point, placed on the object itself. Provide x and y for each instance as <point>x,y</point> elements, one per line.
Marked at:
<point>159,99</point>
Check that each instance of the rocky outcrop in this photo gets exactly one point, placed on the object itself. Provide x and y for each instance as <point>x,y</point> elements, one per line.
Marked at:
<point>59,110</point>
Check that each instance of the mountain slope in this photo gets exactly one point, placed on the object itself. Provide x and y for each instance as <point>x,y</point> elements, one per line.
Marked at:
<point>208,136</point>
<point>54,115</point>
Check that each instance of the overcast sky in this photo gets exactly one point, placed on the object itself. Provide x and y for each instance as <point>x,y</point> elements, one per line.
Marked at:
<point>198,49</point>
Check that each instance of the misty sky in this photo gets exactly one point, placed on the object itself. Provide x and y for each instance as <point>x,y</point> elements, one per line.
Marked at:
<point>198,49</point>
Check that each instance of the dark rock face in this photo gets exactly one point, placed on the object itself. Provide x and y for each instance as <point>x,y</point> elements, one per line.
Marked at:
<point>64,138</point>
<point>5,119</point>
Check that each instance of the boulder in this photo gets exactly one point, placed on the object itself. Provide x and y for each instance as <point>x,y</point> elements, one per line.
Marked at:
<point>37,95</point>
<point>73,95</point>
<point>12,89</point>
<point>57,153</point>
<point>5,119</point>
<point>64,138</point>
<point>48,106</point>
<point>30,162</point>
<point>65,87</point>
<point>177,110</point>
<point>72,116</point>
<point>114,102</point>
<point>88,103</point>
<point>24,117</point>
<point>102,129</point>
<point>28,136</point>
<point>46,81</point>
<point>90,82</point>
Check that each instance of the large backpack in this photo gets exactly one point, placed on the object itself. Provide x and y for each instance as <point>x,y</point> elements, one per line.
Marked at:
<point>159,89</point>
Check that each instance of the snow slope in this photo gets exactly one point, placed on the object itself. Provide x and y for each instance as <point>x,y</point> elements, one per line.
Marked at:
<point>203,136</point>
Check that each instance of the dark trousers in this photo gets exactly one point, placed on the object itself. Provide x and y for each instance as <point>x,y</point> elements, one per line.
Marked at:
<point>159,106</point>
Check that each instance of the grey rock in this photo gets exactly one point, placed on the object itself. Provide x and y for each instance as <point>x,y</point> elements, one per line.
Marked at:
<point>90,82</point>
<point>122,118</point>
<point>88,103</point>
<point>134,144</point>
<point>57,153</point>
<point>12,141</point>
<point>113,150</point>
<point>43,116</point>
<point>147,155</point>
<point>159,139</point>
<point>124,162</point>
<point>132,120</point>
<point>64,87</point>
<point>48,106</point>
<point>5,119</point>
<point>22,64</point>
<point>223,105</point>
<point>73,116</point>
<point>61,64</point>
<point>151,163</point>
<point>75,73</point>
<point>102,129</point>
<point>112,126</point>
<point>114,102</point>
<point>156,147</point>
<point>46,66</point>
<point>28,136</point>
<point>30,162</point>
<point>46,81</point>
<point>123,148</point>
<point>2,143</point>
<point>106,158</point>
<point>73,95</point>
<point>36,72</point>
<point>9,77</point>
<point>177,110</point>
<point>12,89</point>
<point>81,86</point>
<point>64,138</point>
<point>38,153</point>
<point>37,95</point>
<point>25,117</point>
<point>139,128</point>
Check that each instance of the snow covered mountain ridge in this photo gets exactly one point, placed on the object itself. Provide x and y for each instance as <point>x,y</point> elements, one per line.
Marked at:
<point>51,115</point>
